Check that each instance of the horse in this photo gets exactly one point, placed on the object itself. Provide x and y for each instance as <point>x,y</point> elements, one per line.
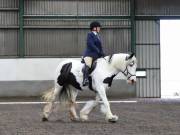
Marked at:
<point>68,82</point>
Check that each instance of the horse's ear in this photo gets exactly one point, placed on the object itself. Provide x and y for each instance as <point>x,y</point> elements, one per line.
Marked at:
<point>130,56</point>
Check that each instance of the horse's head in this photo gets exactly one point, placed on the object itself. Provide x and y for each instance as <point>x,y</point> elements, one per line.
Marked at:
<point>130,70</point>
<point>126,64</point>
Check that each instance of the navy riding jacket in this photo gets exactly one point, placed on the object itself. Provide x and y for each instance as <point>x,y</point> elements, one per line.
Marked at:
<point>94,46</point>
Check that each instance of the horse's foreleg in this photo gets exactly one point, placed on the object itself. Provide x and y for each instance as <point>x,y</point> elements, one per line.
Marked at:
<point>89,106</point>
<point>109,116</point>
<point>49,107</point>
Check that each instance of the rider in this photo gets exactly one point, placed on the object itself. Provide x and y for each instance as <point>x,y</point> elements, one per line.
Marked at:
<point>93,49</point>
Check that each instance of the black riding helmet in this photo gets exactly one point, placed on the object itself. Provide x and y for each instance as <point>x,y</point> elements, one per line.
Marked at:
<point>94,25</point>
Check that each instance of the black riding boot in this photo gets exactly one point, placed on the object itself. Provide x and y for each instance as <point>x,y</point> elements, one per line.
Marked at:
<point>86,76</point>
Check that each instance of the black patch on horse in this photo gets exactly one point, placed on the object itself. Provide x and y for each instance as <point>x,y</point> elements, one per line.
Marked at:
<point>66,77</point>
<point>73,82</point>
<point>109,80</point>
<point>65,70</point>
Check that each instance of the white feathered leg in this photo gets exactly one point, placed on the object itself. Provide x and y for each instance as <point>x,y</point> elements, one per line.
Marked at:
<point>102,93</point>
<point>89,106</point>
<point>49,107</point>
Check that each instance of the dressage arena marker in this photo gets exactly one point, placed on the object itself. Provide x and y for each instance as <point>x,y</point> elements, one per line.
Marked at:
<point>78,102</point>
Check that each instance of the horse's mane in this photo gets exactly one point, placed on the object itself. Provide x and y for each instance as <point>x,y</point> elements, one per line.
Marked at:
<point>113,60</point>
<point>117,60</point>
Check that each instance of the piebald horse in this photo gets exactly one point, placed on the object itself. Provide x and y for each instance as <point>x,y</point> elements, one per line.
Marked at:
<point>68,81</point>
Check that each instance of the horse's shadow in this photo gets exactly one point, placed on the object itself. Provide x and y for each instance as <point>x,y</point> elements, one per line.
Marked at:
<point>79,122</point>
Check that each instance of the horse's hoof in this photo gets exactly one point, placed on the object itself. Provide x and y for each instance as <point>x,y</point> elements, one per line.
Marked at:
<point>84,118</point>
<point>113,119</point>
<point>75,119</point>
<point>44,119</point>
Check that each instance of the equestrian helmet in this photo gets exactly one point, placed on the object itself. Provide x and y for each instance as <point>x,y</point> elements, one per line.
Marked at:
<point>94,25</point>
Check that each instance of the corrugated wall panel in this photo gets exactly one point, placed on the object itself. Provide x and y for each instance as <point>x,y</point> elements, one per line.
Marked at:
<point>50,7</point>
<point>9,18</point>
<point>46,7</point>
<point>76,23</point>
<point>148,44</point>
<point>115,36</point>
<point>45,42</point>
<point>9,3</point>
<point>157,7</point>
<point>150,86</point>
<point>148,55</point>
<point>147,32</point>
<point>77,7</point>
<point>98,7</point>
<point>116,40</point>
<point>103,7</point>
<point>8,42</point>
<point>71,42</point>
<point>64,23</point>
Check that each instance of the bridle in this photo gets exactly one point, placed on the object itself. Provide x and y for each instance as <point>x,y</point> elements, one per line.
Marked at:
<point>127,73</point>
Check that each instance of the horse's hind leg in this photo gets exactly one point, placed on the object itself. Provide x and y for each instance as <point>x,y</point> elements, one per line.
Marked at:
<point>49,107</point>
<point>89,106</point>
<point>72,105</point>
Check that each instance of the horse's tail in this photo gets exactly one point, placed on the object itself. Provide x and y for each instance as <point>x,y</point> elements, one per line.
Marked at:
<point>65,94</point>
<point>48,95</point>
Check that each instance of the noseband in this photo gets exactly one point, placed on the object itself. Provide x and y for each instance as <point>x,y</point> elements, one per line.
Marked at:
<point>127,73</point>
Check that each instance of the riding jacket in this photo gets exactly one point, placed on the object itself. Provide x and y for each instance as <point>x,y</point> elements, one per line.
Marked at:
<point>94,46</point>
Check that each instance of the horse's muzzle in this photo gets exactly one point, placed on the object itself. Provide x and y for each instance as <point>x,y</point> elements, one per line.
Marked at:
<point>131,81</point>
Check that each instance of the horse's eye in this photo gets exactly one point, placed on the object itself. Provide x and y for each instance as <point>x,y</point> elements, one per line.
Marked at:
<point>131,64</point>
